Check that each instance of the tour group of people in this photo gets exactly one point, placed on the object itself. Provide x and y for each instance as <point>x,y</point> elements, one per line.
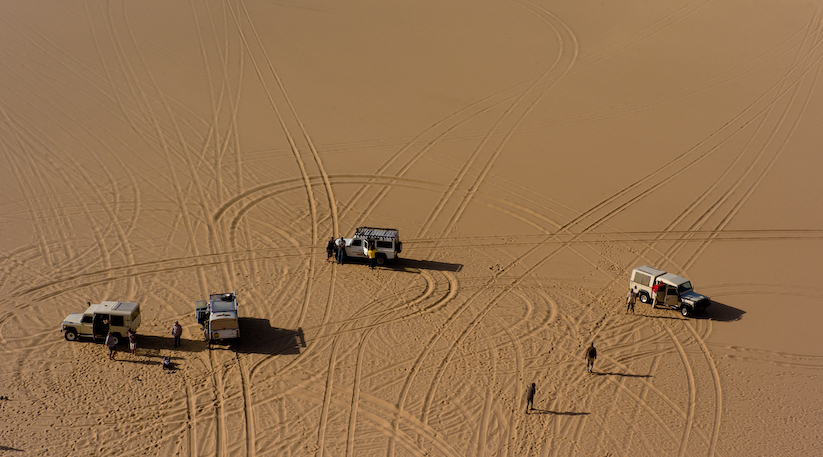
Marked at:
<point>337,249</point>
<point>111,341</point>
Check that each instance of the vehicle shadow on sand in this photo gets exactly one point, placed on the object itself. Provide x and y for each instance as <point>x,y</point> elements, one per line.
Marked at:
<point>259,337</point>
<point>720,312</point>
<point>414,266</point>
<point>716,311</point>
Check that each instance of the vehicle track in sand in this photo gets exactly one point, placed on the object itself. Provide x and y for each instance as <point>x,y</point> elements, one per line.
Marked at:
<point>718,395</point>
<point>333,391</point>
<point>231,250</point>
<point>781,91</point>
<point>591,226</point>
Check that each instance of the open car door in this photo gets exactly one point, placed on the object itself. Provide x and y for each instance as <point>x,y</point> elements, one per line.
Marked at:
<point>659,293</point>
<point>201,311</point>
<point>672,299</point>
<point>100,325</point>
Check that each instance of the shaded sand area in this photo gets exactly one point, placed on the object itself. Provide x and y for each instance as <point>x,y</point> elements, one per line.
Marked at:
<point>531,153</point>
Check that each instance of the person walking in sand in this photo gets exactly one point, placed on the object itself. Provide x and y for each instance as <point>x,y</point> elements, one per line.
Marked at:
<point>111,343</point>
<point>530,397</point>
<point>630,300</point>
<point>176,332</point>
<point>329,249</point>
<point>591,356</point>
<point>132,342</point>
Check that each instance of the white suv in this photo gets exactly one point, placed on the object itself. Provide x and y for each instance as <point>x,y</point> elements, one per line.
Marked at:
<point>386,242</point>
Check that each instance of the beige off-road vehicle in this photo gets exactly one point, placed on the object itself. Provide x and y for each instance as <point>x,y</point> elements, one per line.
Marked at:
<point>98,320</point>
<point>657,287</point>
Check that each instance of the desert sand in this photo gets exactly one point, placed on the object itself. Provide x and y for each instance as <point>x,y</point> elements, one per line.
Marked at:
<point>531,153</point>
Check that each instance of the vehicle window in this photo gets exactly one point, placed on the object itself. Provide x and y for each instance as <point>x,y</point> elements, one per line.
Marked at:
<point>642,278</point>
<point>117,321</point>
<point>87,319</point>
<point>685,287</point>
<point>219,306</point>
<point>356,242</point>
<point>384,244</point>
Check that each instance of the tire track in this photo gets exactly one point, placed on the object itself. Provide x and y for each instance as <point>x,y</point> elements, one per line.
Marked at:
<point>563,33</point>
<point>154,125</point>
<point>615,196</point>
<point>687,427</point>
<point>355,401</point>
<point>306,137</point>
<point>248,408</point>
<point>509,112</point>
<point>762,151</point>
<point>718,390</point>
<point>191,418</point>
<point>329,387</point>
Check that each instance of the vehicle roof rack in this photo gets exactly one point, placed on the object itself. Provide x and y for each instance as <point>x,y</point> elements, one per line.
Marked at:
<point>377,233</point>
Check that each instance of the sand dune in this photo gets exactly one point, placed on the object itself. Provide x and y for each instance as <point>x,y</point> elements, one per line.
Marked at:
<point>530,153</point>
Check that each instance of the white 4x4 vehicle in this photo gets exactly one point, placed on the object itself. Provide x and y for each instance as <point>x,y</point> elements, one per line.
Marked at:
<point>660,288</point>
<point>98,320</point>
<point>218,317</point>
<point>386,242</point>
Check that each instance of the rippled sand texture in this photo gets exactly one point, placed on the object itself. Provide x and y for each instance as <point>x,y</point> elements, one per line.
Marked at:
<point>531,153</point>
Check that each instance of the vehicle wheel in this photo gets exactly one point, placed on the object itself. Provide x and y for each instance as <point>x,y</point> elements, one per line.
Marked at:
<point>644,298</point>
<point>117,338</point>
<point>685,311</point>
<point>71,334</point>
<point>380,260</point>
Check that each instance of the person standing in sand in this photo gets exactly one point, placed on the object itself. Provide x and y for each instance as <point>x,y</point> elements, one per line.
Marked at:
<point>133,342</point>
<point>111,343</point>
<point>630,300</point>
<point>591,356</point>
<point>341,250</point>
<point>176,332</point>
<point>329,249</point>
<point>530,397</point>
<point>371,253</point>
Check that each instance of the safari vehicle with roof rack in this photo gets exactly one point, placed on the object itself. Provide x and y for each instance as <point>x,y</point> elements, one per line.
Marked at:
<point>98,320</point>
<point>665,289</point>
<point>386,242</point>
<point>218,317</point>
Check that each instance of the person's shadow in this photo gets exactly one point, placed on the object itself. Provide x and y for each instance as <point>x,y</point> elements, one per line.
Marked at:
<point>558,413</point>
<point>625,375</point>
